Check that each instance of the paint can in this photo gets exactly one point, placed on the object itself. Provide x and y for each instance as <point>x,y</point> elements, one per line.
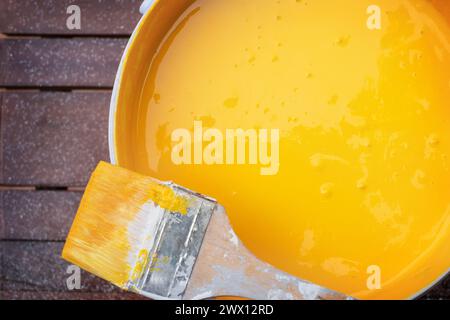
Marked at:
<point>138,49</point>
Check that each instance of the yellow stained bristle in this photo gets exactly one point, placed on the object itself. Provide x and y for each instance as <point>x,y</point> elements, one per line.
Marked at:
<point>111,229</point>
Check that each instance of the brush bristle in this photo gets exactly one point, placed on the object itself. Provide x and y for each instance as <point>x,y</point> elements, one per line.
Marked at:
<point>115,225</point>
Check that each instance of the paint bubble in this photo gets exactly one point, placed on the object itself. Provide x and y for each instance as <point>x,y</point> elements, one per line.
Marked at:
<point>433,140</point>
<point>231,103</point>
<point>361,184</point>
<point>418,179</point>
<point>316,162</point>
<point>343,41</point>
<point>333,100</point>
<point>326,189</point>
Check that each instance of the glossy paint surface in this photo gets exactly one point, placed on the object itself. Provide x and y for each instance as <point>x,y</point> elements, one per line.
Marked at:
<point>364,119</point>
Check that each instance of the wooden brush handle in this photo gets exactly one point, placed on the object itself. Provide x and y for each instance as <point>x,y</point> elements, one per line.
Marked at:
<point>225,267</point>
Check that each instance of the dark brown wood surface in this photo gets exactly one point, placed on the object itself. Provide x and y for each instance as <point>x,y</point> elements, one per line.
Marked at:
<point>55,86</point>
<point>54,62</point>
<point>53,138</point>
<point>44,215</point>
<point>55,89</point>
<point>48,17</point>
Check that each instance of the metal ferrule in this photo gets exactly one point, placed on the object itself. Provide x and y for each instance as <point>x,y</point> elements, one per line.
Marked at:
<point>178,240</point>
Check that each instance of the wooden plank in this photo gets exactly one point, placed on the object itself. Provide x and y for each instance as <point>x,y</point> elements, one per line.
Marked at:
<point>1,147</point>
<point>38,215</point>
<point>53,138</point>
<point>49,17</point>
<point>48,295</point>
<point>38,266</point>
<point>2,220</point>
<point>2,254</point>
<point>82,63</point>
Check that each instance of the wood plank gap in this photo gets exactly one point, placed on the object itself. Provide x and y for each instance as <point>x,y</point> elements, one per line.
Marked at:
<point>51,188</point>
<point>41,188</point>
<point>89,90</point>
<point>76,189</point>
<point>4,187</point>
<point>18,90</point>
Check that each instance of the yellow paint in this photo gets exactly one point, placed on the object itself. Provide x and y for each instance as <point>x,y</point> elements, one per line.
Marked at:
<point>140,265</point>
<point>364,174</point>
<point>100,240</point>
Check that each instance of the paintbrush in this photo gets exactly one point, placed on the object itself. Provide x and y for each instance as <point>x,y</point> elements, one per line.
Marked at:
<point>163,241</point>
